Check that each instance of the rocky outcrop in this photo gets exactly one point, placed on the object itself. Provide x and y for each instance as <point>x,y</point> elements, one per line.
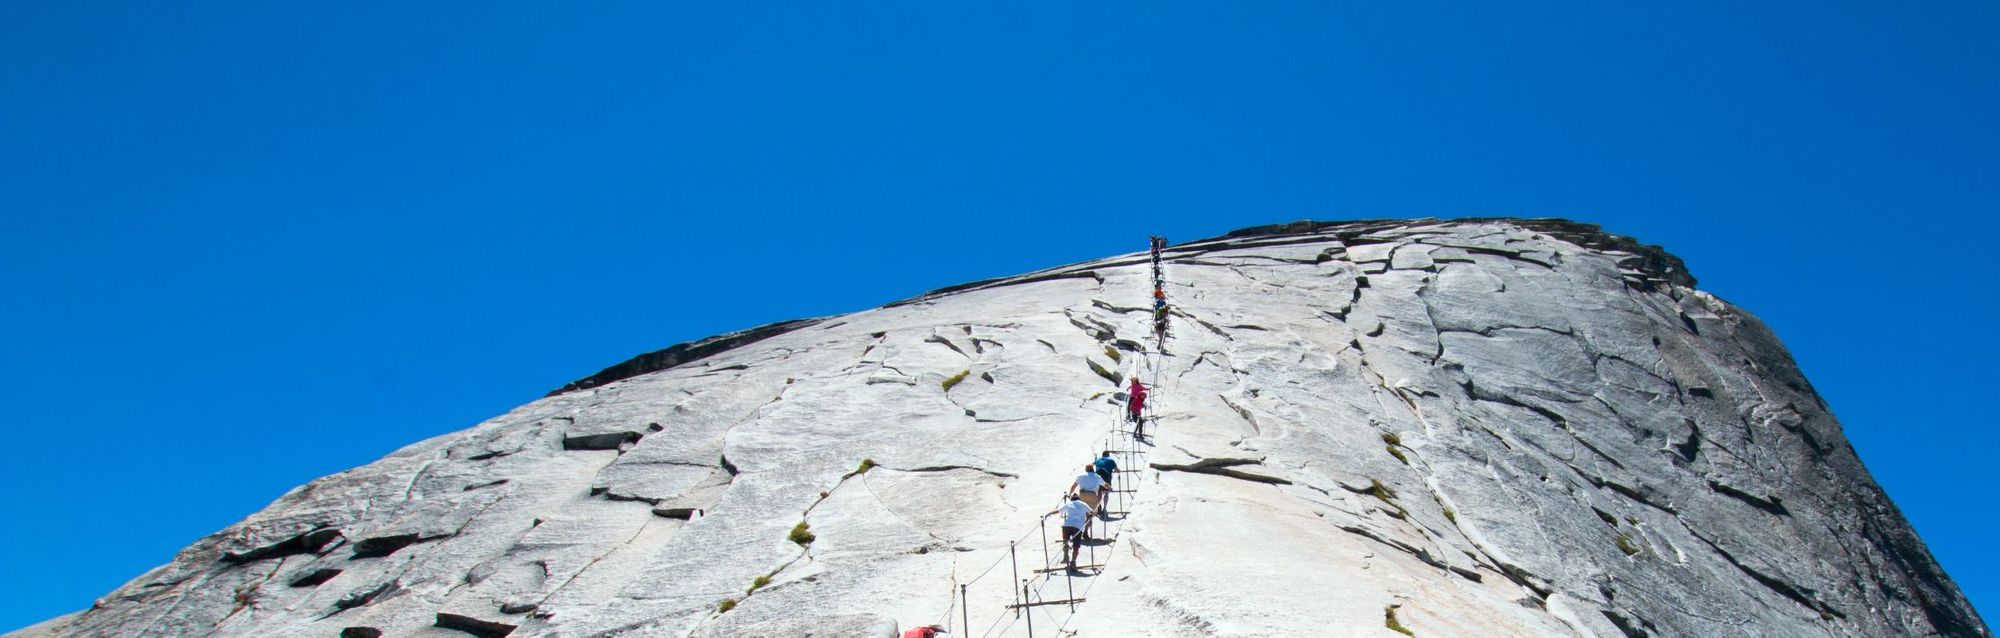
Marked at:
<point>1453,428</point>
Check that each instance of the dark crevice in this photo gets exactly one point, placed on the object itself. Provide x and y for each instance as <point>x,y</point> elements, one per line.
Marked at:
<point>1644,495</point>
<point>1117,309</point>
<point>316,578</point>
<point>1773,504</point>
<point>1508,254</point>
<point>380,546</point>
<point>605,441</point>
<point>360,632</point>
<point>1472,390</point>
<point>1115,378</point>
<point>947,468</point>
<point>469,488</point>
<point>627,498</point>
<point>1095,329</point>
<point>946,343</point>
<point>1692,446</point>
<point>1489,330</point>
<point>312,542</point>
<point>1222,467</point>
<point>359,598</point>
<point>975,418</point>
<point>680,513</point>
<point>1418,552</point>
<point>1628,627</point>
<point>1212,328</point>
<point>1800,595</point>
<point>1523,578</point>
<point>1689,323</point>
<point>474,626</point>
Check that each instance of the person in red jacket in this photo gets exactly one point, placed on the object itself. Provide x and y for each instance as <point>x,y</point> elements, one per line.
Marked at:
<point>1136,402</point>
<point>926,631</point>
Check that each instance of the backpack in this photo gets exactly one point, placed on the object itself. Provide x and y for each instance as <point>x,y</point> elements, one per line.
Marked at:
<point>921,632</point>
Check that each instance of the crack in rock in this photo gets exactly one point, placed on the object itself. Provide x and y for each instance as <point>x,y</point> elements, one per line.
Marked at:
<point>473,626</point>
<point>1222,467</point>
<point>605,441</point>
<point>937,339</point>
<point>380,546</point>
<point>1801,595</point>
<point>1773,505</point>
<point>947,468</point>
<point>315,578</point>
<point>359,598</point>
<point>312,542</point>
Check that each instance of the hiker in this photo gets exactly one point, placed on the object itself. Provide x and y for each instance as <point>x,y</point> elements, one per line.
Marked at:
<point>926,631</point>
<point>1076,514</point>
<point>1135,403</point>
<point>1089,486</point>
<point>1106,467</point>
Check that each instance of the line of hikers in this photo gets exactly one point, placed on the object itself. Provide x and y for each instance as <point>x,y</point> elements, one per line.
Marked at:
<point>1090,492</point>
<point>1159,290</point>
<point>1087,496</point>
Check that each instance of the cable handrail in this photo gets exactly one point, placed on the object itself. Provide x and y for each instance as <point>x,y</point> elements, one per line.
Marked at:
<point>1032,588</point>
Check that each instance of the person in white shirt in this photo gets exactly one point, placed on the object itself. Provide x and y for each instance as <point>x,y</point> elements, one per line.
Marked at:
<point>1090,486</point>
<point>1076,514</point>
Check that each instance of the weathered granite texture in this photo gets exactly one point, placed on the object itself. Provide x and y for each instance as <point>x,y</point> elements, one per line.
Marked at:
<point>1494,427</point>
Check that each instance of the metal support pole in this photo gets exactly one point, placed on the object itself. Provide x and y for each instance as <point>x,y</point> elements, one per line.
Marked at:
<point>964,612</point>
<point>1071,579</point>
<point>1093,561</point>
<point>1030,610</point>
<point>1017,573</point>
<point>1045,544</point>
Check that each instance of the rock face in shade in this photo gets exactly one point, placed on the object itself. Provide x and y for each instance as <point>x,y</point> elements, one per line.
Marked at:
<point>1484,428</point>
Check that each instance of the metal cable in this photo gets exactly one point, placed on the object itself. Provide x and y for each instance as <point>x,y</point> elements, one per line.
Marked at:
<point>1032,589</point>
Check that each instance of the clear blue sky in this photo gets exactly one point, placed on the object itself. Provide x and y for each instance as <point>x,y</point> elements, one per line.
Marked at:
<point>244,246</point>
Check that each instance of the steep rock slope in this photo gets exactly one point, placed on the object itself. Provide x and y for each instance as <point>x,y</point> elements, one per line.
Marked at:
<point>1463,428</point>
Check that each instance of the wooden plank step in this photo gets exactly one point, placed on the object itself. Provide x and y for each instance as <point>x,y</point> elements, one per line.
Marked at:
<point>1046,602</point>
<point>1064,569</point>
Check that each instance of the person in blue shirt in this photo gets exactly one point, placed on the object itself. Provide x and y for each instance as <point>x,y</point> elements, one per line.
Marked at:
<point>1106,466</point>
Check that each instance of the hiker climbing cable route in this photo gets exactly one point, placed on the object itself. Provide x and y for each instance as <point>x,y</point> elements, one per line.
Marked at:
<point>1135,401</point>
<point>1076,518</point>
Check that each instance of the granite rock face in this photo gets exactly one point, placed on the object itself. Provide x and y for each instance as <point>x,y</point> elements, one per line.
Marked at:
<point>1461,428</point>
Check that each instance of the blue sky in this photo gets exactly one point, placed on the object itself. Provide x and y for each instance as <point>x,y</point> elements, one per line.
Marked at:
<point>243,246</point>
